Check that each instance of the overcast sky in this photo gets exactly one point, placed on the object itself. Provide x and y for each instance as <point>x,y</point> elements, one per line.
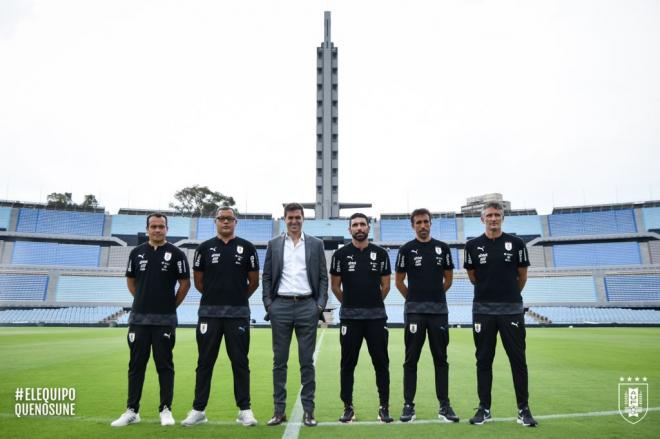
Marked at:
<point>552,103</point>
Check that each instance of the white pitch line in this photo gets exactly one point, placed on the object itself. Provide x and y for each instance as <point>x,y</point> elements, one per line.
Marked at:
<point>437,421</point>
<point>293,427</point>
<point>322,424</point>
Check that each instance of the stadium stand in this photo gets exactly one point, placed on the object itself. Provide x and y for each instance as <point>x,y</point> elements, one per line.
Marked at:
<point>60,222</point>
<point>53,253</point>
<point>596,254</point>
<point>592,223</point>
<point>593,264</point>
<point>131,225</point>
<point>650,215</point>
<point>5,217</point>
<point>61,316</point>
<point>23,286</point>
<point>629,288</point>
<point>254,230</point>
<point>588,315</point>
<point>522,225</point>
<point>399,229</point>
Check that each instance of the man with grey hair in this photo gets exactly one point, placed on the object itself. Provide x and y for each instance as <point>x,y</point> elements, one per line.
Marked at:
<point>497,263</point>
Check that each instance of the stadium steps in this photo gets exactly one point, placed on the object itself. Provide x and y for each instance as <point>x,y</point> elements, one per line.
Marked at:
<point>540,319</point>
<point>114,317</point>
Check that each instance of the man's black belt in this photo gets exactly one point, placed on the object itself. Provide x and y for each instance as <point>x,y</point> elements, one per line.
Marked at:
<point>295,298</point>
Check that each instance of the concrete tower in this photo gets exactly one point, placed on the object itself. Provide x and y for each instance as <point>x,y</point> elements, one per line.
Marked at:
<point>327,184</point>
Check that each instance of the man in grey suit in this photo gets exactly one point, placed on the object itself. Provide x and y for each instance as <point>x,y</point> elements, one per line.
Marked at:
<point>295,292</point>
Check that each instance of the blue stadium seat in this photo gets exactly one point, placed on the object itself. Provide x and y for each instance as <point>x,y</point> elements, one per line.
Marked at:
<point>123,224</point>
<point>528,225</point>
<point>651,216</point>
<point>399,230</point>
<point>597,254</point>
<point>53,253</point>
<point>592,223</point>
<point>629,288</point>
<point>60,222</point>
<point>255,230</point>
<point>5,217</point>
<point>23,286</point>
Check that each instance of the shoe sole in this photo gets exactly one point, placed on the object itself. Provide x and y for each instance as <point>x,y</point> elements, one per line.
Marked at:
<point>408,420</point>
<point>246,424</point>
<point>447,420</point>
<point>349,421</point>
<point>481,423</point>
<point>521,422</point>
<point>385,422</point>
<point>167,424</point>
<point>137,421</point>
<point>203,421</point>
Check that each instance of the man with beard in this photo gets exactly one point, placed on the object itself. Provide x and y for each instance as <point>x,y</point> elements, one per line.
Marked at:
<point>428,265</point>
<point>226,271</point>
<point>360,281</point>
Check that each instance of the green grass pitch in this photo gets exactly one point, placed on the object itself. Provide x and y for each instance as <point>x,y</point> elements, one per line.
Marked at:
<point>572,370</point>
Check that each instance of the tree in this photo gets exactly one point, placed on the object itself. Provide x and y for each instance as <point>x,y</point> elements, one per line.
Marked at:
<point>90,202</point>
<point>200,201</point>
<point>58,199</point>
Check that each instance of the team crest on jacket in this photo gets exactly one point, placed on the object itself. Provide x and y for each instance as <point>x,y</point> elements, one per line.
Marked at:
<point>239,249</point>
<point>438,250</point>
<point>508,246</point>
<point>168,256</point>
<point>477,327</point>
<point>413,327</point>
<point>202,328</point>
<point>372,255</point>
<point>131,337</point>
<point>343,329</point>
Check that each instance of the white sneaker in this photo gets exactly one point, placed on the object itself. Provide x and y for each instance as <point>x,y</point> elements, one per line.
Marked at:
<point>166,417</point>
<point>128,417</point>
<point>194,417</point>
<point>246,417</point>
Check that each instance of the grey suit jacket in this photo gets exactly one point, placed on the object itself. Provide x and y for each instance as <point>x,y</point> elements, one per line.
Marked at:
<point>317,271</point>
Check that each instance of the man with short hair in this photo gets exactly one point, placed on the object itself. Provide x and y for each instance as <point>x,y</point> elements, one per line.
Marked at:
<point>295,292</point>
<point>226,272</point>
<point>151,275</point>
<point>428,265</point>
<point>361,280</point>
<point>497,263</point>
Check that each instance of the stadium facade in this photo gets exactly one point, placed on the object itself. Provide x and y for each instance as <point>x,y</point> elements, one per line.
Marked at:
<point>596,264</point>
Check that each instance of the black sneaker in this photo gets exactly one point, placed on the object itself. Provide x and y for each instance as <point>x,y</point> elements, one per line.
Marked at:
<point>481,416</point>
<point>446,414</point>
<point>525,418</point>
<point>384,414</point>
<point>348,416</point>
<point>408,413</point>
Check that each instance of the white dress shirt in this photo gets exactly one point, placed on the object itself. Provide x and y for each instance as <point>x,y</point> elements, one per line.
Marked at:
<point>294,272</point>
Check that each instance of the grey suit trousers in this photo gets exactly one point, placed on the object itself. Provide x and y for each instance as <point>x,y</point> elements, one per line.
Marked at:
<point>287,315</point>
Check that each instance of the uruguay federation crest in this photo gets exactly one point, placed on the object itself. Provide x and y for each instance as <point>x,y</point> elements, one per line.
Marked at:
<point>633,398</point>
<point>438,250</point>
<point>239,249</point>
<point>131,337</point>
<point>372,255</point>
<point>412,328</point>
<point>343,329</point>
<point>202,328</point>
<point>508,246</point>
<point>168,256</point>
<point>477,327</point>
